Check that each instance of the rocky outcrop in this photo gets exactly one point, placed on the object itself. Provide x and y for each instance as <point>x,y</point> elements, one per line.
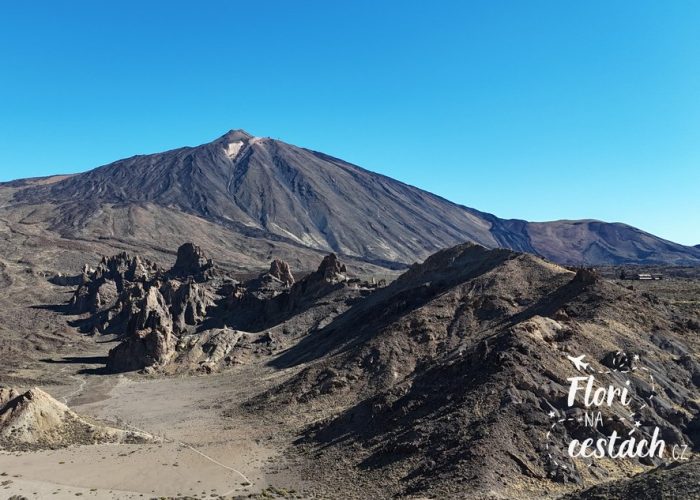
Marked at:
<point>331,270</point>
<point>150,338</point>
<point>61,279</point>
<point>35,420</point>
<point>133,297</point>
<point>268,285</point>
<point>167,310</point>
<point>191,261</point>
<point>189,302</point>
<point>281,271</point>
<point>101,288</point>
<point>268,300</point>
<point>195,318</point>
<point>585,276</point>
<point>214,349</point>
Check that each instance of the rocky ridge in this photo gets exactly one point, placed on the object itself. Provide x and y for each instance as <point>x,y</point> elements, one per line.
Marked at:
<point>444,380</point>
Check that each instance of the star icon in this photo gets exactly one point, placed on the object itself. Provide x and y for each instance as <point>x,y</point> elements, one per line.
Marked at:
<point>552,414</point>
<point>637,423</point>
<point>636,357</point>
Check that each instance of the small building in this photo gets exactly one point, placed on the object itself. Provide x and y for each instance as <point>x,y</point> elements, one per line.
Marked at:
<point>648,276</point>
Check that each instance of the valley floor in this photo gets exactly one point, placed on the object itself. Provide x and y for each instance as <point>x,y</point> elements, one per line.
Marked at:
<point>202,453</point>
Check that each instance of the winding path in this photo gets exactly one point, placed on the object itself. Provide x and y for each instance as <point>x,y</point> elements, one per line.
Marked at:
<point>81,386</point>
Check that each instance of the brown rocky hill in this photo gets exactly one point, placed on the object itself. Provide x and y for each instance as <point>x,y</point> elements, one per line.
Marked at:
<point>259,194</point>
<point>444,383</point>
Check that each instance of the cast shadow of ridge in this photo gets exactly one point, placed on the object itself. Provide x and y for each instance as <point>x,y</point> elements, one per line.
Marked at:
<point>83,360</point>
<point>77,360</point>
<point>57,308</point>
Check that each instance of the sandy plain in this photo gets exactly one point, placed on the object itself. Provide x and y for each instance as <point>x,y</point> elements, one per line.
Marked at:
<point>200,453</point>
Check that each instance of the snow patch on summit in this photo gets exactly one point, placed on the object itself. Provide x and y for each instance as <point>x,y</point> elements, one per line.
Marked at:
<point>233,148</point>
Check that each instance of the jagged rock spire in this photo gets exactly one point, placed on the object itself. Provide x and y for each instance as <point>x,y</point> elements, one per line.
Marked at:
<point>191,261</point>
<point>281,270</point>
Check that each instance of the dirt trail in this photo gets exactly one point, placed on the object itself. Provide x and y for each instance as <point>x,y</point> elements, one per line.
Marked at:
<point>81,382</point>
<point>213,460</point>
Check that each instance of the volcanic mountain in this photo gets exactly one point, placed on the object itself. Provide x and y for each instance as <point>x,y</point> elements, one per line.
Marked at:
<point>249,198</point>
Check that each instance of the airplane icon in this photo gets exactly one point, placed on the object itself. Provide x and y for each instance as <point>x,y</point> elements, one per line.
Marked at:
<point>578,362</point>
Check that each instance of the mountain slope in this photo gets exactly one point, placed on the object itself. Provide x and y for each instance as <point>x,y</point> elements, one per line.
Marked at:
<point>594,242</point>
<point>267,189</point>
<point>262,186</point>
<point>442,383</point>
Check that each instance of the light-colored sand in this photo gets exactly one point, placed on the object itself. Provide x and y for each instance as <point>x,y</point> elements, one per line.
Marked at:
<point>204,453</point>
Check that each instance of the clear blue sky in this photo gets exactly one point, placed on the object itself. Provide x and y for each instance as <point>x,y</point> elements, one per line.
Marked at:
<point>526,109</point>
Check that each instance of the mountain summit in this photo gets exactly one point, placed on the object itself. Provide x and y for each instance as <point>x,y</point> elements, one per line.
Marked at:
<point>269,190</point>
<point>235,135</point>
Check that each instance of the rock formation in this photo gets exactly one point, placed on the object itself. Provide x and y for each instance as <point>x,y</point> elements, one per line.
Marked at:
<point>133,297</point>
<point>268,285</point>
<point>262,302</point>
<point>102,287</point>
<point>191,261</point>
<point>331,269</point>
<point>165,313</point>
<point>161,315</point>
<point>586,276</point>
<point>280,270</point>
